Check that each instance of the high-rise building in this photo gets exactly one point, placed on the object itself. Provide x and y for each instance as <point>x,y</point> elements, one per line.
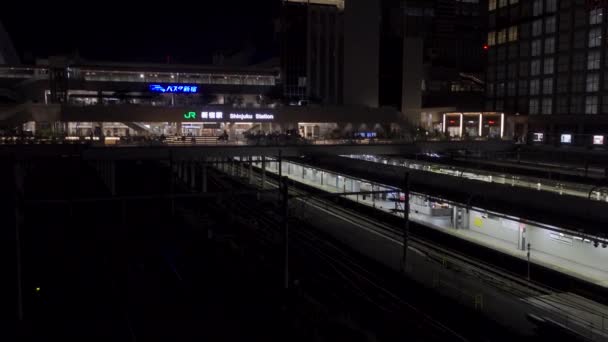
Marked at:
<point>420,56</point>
<point>361,52</point>
<point>545,63</point>
<point>311,37</point>
<point>7,51</point>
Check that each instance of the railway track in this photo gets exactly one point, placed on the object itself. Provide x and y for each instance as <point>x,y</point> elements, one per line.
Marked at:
<point>501,279</point>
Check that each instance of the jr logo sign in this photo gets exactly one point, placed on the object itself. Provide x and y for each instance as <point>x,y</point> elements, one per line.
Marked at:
<point>190,116</point>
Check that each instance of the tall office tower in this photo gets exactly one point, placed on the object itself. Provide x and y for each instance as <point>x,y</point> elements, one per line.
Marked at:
<point>361,52</point>
<point>7,51</point>
<point>311,37</point>
<point>545,63</point>
<point>431,58</point>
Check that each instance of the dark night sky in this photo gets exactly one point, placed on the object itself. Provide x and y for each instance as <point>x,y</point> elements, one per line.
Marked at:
<point>142,32</point>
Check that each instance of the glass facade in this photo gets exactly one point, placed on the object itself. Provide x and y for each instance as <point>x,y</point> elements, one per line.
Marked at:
<point>550,47</point>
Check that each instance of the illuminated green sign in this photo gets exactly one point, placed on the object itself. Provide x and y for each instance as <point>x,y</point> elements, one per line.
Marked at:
<point>190,116</point>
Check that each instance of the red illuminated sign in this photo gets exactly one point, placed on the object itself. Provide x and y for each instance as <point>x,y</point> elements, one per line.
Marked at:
<point>452,121</point>
<point>491,122</point>
<point>485,47</point>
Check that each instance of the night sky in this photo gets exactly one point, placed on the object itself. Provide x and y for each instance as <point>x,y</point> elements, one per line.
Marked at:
<point>142,32</point>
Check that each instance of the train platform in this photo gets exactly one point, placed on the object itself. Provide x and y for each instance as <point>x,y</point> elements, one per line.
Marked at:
<point>545,250</point>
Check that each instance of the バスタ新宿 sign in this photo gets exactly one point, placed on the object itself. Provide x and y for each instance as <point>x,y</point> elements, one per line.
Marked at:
<point>173,88</point>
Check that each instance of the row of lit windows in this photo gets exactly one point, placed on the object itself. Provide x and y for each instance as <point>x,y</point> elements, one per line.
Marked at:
<point>595,17</point>
<point>560,106</point>
<point>502,36</point>
<point>591,84</point>
<point>591,62</point>
<point>545,106</point>
<point>593,39</point>
<point>538,6</point>
<point>493,4</point>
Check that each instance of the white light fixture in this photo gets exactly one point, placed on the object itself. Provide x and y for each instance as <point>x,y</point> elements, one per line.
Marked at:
<point>461,120</point>
<point>502,124</point>
<point>480,124</point>
<point>141,75</point>
<point>598,140</point>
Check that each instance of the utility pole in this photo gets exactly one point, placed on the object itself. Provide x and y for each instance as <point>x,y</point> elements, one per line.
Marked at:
<point>406,219</point>
<point>19,216</point>
<point>528,261</point>
<point>285,207</point>
<point>280,166</point>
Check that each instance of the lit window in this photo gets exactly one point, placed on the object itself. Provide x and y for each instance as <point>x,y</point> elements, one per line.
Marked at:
<point>534,86</point>
<point>537,27</point>
<point>595,37</point>
<point>502,36</point>
<point>491,38</point>
<point>598,140</point>
<point>591,103</point>
<point>549,46</point>
<point>593,60</point>
<point>536,45</point>
<point>547,106</point>
<point>533,108</point>
<point>502,3</point>
<point>548,67</point>
<point>512,33</point>
<point>535,67</point>
<point>492,5</point>
<point>595,16</point>
<point>548,86</point>
<point>566,138</point>
<point>550,25</point>
<point>593,82</point>
<point>537,8</point>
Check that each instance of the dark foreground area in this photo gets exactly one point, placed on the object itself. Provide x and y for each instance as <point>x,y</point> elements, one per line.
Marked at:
<point>134,266</point>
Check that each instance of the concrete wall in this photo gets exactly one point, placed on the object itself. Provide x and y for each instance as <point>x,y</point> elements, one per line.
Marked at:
<point>540,240</point>
<point>578,251</point>
<point>361,52</point>
<point>495,227</point>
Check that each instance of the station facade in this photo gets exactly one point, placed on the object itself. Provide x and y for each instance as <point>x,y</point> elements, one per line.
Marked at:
<point>77,98</point>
